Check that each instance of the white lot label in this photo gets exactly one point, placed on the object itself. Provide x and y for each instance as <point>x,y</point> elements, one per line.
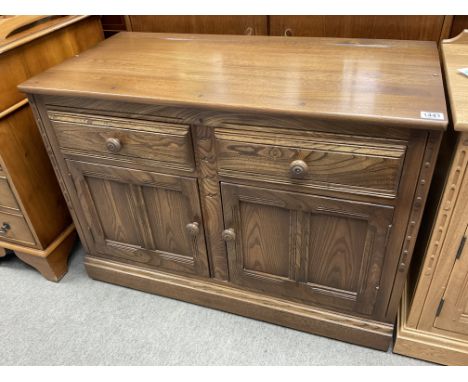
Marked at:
<point>464,71</point>
<point>432,115</point>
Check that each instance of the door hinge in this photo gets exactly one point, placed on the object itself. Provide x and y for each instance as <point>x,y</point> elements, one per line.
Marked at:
<point>441,305</point>
<point>460,248</point>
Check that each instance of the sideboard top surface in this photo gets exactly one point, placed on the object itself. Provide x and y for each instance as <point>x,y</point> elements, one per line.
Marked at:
<point>455,54</point>
<point>373,80</point>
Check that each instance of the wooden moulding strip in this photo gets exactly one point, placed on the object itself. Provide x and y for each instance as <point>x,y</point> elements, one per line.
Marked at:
<point>13,108</point>
<point>213,294</point>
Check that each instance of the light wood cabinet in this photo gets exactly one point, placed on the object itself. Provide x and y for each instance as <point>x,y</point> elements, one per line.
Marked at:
<point>433,320</point>
<point>250,185</point>
<point>34,220</point>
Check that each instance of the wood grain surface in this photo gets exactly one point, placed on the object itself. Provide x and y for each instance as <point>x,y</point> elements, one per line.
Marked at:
<point>359,26</point>
<point>31,176</point>
<point>433,319</point>
<point>31,51</point>
<point>455,56</point>
<point>251,25</point>
<point>163,142</point>
<point>331,161</point>
<point>324,251</point>
<point>141,217</point>
<point>377,80</point>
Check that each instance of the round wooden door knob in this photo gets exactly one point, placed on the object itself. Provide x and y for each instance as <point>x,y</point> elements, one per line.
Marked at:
<point>113,145</point>
<point>229,234</point>
<point>193,228</point>
<point>298,168</point>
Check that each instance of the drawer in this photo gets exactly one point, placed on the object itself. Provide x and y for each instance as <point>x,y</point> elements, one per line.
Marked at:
<point>320,160</point>
<point>124,139</point>
<point>7,198</point>
<point>14,228</point>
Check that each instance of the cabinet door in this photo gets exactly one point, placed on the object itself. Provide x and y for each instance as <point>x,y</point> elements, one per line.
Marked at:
<point>314,249</point>
<point>454,313</point>
<point>250,25</point>
<point>387,27</point>
<point>142,217</point>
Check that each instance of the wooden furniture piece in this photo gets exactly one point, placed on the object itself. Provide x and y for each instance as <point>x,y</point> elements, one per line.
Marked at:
<point>112,24</point>
<point>34,218</point>
<point>459,24</point>
<point>433,319</point>
<point>249,25</point>
<point>431,28</point>
<point>286,185</point>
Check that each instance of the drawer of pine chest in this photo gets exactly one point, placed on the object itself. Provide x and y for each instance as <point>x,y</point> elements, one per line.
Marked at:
<point>124,139</point>
<point>337,162</point>
<point>14,228</point>
<point>7,198</point>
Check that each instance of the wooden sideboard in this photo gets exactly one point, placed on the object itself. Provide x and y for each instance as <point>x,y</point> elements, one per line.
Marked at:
<point>422,27</point>
<point>34,220</point>
<point>433,320</point>
<point>280,185</point>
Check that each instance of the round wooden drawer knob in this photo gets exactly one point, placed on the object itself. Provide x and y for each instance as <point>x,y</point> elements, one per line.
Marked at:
<point>113,145</point>
<point>193,228</point>
<point>229,234</point>
<point>4,229</point>
<point>298,168</point>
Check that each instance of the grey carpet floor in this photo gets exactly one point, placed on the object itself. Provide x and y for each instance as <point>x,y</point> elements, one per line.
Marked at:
<point>80,321</point>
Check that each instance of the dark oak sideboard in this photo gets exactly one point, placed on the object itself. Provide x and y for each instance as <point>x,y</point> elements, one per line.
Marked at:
<point>278,178</point>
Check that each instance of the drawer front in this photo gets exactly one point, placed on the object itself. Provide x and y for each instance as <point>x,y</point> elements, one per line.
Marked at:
<point>124,139</point>
<point>337,162</point>
<point>7,198</point>
<point>14,228</point>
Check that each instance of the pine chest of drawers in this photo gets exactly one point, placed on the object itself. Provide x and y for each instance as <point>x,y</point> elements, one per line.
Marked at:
<point>34,221</point>
<point>281,179</point>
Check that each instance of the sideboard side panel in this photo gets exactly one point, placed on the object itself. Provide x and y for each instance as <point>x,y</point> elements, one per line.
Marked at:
<point>58,163</point>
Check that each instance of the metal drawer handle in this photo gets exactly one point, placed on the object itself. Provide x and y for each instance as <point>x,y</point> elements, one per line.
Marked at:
<point>193,228</point>
<point>5,228</point>
<point>113,145</point>
<point>288,32</point>
<point>298,168</point>
<point>229,234</point>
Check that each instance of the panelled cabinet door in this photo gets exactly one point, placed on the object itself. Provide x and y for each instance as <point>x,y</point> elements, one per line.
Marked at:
<point>142,217</point>
<point>315,249</point>
<point>453,314</point>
